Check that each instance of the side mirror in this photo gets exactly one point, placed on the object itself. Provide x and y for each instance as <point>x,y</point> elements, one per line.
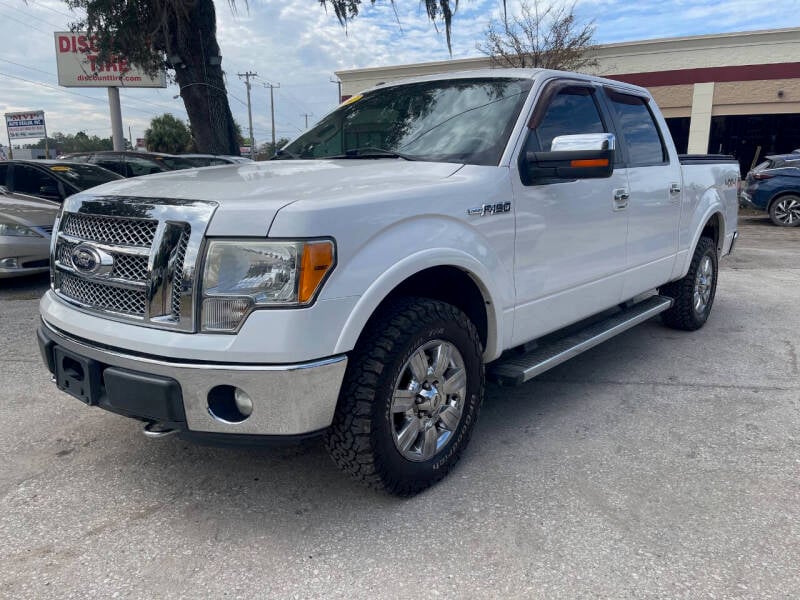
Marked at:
<point>584,156</point>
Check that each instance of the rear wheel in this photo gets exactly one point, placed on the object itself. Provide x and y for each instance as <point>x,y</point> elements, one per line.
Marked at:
<point>411,395</point>
<point>785,211</point>
<point>693,295</point>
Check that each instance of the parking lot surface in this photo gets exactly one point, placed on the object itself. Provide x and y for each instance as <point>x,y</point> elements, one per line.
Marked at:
<point>660,464</point>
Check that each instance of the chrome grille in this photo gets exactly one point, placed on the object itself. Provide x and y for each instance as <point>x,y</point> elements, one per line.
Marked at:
<point>179,257</point>
<point>110,230</point>
<point>139,259</point>
<point>133,268</point>
<point>105,297</point>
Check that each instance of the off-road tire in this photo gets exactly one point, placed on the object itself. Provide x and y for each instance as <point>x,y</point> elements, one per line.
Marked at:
<point>682,314</point>
<point>360,439</point>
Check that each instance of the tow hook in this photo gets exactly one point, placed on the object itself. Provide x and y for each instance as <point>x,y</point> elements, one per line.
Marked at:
<point>154,430</point>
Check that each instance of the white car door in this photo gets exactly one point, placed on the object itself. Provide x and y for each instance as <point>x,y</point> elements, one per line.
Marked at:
<point>570,247</point>
<point>654,178</point>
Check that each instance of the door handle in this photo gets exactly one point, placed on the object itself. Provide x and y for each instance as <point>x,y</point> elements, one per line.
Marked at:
<point>675,188</point>
<point>621,197</point>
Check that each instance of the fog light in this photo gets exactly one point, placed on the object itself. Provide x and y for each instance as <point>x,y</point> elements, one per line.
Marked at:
<point>9,263</point>
<point>229,404</point>
<point>224,314</point>
<point>243,402</point>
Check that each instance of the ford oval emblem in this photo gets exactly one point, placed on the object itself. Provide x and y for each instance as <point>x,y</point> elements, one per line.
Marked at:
<point>89,260</point>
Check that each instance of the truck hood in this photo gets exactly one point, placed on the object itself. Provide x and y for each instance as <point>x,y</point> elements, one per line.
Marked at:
<point>249,195</point>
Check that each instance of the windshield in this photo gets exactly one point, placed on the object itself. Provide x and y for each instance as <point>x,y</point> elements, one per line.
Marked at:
<point>84,177</point>
<point>463,121</point>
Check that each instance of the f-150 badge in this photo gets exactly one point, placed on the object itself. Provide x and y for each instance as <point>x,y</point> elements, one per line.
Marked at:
<point>490,209</point>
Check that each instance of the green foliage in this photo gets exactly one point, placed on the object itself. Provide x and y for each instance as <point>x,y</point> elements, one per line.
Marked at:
<point>80,142</point>
<point>167,134</point>
<point>267,151</point>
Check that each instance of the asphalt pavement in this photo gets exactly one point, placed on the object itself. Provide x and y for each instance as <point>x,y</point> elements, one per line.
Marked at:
<point>660,464</point>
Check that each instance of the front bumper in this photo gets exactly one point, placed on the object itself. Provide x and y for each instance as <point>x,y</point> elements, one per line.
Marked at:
<point>23,256</point>
<point>746,201</point>
<point>288,400</point>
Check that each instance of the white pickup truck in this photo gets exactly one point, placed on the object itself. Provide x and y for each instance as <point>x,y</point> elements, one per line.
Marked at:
<point>421,237</point>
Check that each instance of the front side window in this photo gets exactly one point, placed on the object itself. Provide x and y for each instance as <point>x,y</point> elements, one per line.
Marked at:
<point>83,176</point>
<point>638,129</point>
<point>29,180</point>
<point>465,121</point>
<point>573,111</point>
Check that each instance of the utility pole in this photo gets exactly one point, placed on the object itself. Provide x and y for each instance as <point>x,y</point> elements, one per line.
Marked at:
<point>306,115</point>
<point>271,87</point>
<point>247,75</point>
<point>338,82</point>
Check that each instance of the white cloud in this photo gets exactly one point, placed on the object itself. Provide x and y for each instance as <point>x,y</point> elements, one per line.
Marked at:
<point>299,45</point>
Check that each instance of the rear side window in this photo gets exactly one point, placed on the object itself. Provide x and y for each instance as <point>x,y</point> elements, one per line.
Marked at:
<point>112,164</point>
<point>572,111</point>
<point>29,180</point>
<point>638,128</point>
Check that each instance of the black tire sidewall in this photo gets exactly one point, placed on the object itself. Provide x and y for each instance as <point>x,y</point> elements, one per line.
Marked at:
<point>388,458</point>
<point>702,317</point>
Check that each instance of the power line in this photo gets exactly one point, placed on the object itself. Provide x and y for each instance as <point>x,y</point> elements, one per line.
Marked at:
<point>51,9</point>
<point>21,22</point>
<point>58,89</point>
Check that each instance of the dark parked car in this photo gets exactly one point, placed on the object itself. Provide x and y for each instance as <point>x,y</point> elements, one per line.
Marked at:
<point>774,186</point>
<point>213,160</point>
<point>26,224</point>
<point>130,164</point>
<point>51,179</point>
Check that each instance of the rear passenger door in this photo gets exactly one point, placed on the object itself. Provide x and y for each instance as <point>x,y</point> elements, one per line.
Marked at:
<point>654,180</point>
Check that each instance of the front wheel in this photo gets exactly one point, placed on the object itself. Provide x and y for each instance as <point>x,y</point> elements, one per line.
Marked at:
<point>410,398</point>
<point>785,211</point>
<point>693,295</point>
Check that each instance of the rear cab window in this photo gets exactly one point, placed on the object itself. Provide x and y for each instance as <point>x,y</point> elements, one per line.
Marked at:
<point>637,126</point>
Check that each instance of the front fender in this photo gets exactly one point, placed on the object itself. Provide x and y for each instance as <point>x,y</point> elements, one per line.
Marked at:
<point>405,250</point>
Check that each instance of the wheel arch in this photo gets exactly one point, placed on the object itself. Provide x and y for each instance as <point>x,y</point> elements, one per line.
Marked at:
<point>450,281</point>
<point>781,194</point>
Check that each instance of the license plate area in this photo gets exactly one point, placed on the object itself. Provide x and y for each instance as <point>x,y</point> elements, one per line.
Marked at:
<point>78,376</point>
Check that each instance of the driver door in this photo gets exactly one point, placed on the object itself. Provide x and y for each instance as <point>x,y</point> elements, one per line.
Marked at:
<point>570,247</point>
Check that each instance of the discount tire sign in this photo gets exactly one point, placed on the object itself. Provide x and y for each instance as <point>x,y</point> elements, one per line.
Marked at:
<point>78,63</point>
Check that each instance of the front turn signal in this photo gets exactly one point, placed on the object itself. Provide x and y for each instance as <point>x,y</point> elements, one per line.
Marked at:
<point>317,262</point>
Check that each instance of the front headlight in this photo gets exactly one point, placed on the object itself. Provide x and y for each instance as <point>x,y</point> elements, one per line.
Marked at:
<point>17,230</point>
<point>241,275</point>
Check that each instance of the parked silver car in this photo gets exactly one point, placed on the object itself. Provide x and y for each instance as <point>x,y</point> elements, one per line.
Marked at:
<point>25,227</point>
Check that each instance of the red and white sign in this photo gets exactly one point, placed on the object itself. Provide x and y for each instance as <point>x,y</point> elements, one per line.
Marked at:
<point>78,65</point>
<point>28,124</point>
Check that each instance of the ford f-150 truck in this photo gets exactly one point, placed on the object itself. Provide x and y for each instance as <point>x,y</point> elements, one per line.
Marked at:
<point>362,285</point>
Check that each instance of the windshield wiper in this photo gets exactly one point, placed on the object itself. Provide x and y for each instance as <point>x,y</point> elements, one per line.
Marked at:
<point>373,152</point>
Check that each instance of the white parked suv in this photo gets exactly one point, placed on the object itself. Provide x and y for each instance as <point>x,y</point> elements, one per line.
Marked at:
<point>423,236</point>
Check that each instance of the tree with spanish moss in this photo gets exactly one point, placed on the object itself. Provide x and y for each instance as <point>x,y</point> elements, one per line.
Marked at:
<point>181,35</point>
<point>542,35</point>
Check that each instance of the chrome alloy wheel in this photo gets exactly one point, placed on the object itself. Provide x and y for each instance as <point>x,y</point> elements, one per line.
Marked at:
<point>428,400</point>
<point>703,284</point>
<point>787,211</point>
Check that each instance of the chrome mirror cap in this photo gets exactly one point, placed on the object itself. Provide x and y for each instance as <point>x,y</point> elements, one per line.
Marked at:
<point>584,142</point>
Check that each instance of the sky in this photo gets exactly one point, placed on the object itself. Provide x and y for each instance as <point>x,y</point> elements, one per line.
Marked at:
<point>298,45</point>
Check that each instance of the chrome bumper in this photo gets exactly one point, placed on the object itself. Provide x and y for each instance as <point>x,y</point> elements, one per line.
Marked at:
<point>287,399</point>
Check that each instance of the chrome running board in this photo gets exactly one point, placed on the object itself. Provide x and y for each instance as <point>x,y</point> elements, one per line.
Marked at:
<point>518,369</point>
